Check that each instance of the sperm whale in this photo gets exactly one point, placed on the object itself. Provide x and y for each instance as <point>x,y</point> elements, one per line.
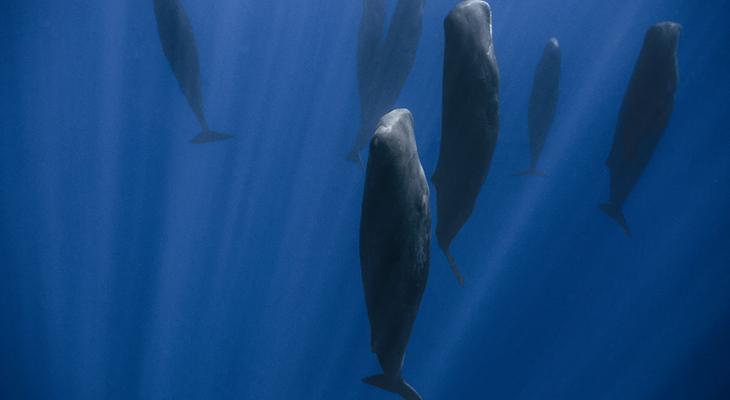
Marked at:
<point>178,44</point>
<point>384,63</point>
<point>645,113</point>
<point>470,119</point>
<point>395,233</point>
<point>543,103</point>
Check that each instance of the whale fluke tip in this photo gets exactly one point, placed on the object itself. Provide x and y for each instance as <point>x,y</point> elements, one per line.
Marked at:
<point>454,267</point>
<point>617,215</point>
<point>397,386</point>
<point>210,136</point>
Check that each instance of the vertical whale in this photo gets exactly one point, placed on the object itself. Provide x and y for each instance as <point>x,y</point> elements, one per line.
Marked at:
<point>470,118</point>
<point>178,43</point>
<point>645,113</point>
<point>543,103</point>
<point>384,61</point>
<point>395,231</point>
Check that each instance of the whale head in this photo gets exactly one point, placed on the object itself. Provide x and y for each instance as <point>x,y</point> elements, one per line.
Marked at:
<point>394,140</point>
<point>470,16</point>
<point>552,48</point>
<point>664,37</point>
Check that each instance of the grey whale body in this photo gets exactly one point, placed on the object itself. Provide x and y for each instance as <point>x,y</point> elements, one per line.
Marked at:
<point>543,103</point>
<point>470,119</point>
<point>384,62</point>
<point>645,113</point>
<point>178,43</point>
<point>395,231</point>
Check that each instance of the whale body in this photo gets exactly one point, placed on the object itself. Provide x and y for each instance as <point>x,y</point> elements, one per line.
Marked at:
<point>383,62</point>
<point>470,119</point>
<point>543,103</point>
<point>645,113</point>
<point>395,233</point>
<point>178,44</point>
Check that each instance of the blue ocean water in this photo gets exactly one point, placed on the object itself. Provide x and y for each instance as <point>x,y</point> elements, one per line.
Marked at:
<point>135,265</point>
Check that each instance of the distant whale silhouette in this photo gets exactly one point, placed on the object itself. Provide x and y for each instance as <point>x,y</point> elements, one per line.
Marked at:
<point>645,114</point>
<point>383,64</point>
<point>470,118</point>
<point>395,232</point>
<point>178,43</point>
<point>543,102</point>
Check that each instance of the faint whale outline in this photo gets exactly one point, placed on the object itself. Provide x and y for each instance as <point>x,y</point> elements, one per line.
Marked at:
<point>645,113</point>
<point>178,44</point>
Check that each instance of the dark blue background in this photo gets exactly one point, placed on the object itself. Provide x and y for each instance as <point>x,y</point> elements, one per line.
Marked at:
<point>138,266</point>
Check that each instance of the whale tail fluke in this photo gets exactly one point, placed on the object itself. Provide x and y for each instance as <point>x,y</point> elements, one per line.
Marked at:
<point>209,136</point>
<point>398,386</point>
<point>531,172</point>
<point>617,215</point>
<point>454,266</point>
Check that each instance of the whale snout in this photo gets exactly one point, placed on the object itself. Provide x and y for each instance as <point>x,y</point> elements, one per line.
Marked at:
<point>667,28</point>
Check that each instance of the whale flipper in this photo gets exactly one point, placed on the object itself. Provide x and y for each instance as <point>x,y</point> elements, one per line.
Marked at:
<point>397,386</point>
<point>617,215</point>
<point>210,136</point>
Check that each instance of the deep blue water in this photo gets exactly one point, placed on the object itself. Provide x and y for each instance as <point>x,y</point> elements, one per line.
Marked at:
<point>135,265</point>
